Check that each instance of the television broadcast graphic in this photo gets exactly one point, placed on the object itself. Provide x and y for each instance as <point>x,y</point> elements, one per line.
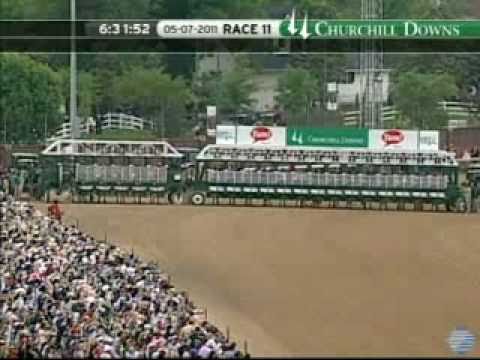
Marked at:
<point>239,179</point>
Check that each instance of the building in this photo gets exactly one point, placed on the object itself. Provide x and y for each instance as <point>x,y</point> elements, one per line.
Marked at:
<point>266,81</point>
<point>351,91</point>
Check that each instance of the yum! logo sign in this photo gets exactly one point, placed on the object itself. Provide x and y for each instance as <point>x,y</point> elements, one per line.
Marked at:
<point>393,137</point>
<point>261,134</point>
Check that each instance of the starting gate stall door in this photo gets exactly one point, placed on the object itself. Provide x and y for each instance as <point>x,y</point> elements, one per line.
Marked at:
<point>150,174</point>
<point>389,181</point>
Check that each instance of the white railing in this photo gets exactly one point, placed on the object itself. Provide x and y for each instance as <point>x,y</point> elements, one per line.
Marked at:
<point>459,114</point>
<point>106,148</point>
<point>110,121</point>
<point>124,122</point>
<point>64,131</point>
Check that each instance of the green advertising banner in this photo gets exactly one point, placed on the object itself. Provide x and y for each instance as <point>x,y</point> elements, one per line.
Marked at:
<point>318,137</point>
<point>380,29</point>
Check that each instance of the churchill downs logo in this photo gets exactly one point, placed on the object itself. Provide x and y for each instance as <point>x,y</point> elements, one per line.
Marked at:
<point>358,29</point>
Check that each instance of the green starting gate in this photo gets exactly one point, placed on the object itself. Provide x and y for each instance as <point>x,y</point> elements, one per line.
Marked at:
<point>281,175</point>
<point>113,171</point>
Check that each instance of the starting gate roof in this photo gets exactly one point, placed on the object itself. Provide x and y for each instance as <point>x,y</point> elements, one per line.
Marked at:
<point>308,155</point>
<point>95,148</point>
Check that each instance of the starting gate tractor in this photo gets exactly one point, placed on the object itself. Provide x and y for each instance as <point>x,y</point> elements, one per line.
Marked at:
<point>380,179</point>
<point>121,171</point>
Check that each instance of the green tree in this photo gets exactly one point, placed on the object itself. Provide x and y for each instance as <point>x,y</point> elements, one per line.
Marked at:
<point>417,97</point>
<point>86,91</point>
<point>296,91</point>
<point>30,98</point>
<point>325,68</point>
<point>426,9</point>
<point>234,91</point>
<point>205,90</point>
<point>34,9</point>
<point>156,96</point>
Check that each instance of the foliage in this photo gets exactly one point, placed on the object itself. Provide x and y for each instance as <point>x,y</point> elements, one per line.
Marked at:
<point>205,90</point>
<point>86,91</point>
<point>296,91</point>
<point>34,9</point>
<point>30,98</point>
<point>109,82</point>
<point>124,135</point>
<point>426,9</point>
<point>154,94</point>
<point>235,89</point>
<point>417,97</point>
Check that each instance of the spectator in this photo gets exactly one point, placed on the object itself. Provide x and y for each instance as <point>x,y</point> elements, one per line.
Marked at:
<point>55,211</point>
<point>64,295</point>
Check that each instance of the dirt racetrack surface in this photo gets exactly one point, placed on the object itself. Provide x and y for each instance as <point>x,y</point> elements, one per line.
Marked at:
<point>312,282</point>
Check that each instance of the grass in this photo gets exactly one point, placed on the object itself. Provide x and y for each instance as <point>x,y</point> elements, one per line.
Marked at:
<point>125,135</point>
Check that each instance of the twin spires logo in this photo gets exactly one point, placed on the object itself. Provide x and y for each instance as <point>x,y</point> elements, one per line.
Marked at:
<point>292,27</point>
<point>377,28</point>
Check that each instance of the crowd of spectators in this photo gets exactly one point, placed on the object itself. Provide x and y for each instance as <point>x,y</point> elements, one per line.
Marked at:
<point>63,294</point>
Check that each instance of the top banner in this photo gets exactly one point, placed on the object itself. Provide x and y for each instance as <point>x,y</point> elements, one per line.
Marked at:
<point>293,28</point>
<point>214,35</point>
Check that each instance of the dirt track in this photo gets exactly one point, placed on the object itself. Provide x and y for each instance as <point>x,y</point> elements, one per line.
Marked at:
<point>312,282</point>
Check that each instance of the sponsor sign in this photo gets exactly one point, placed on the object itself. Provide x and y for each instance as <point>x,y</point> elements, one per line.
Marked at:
<point>429,141</point>
<point>261,135</point>
<point>393,140</point>
<point>226,135</point>
<point>328,138</point>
